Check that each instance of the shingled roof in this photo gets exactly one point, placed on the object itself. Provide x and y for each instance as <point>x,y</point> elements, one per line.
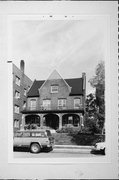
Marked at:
<point>76,84</point>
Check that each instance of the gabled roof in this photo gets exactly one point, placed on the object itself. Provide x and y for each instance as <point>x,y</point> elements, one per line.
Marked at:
<point>55,75</point>
<point>76,85</point>
<point>33,92</point>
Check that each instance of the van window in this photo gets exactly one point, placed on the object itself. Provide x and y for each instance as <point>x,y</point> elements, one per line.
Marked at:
<point>18,134</point>
<point>26,134</point>
<point>48,133</point>
<point>38,134</point>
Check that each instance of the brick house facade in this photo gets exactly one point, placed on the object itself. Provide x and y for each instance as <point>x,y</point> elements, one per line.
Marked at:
<point>56,102</point>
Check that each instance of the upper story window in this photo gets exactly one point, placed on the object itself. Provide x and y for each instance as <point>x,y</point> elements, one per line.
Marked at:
<point>61,103</point>
<point>16,109</point>
<point>24,105</point>
<point>17,94</point>
<point>77,102</point>
<point>46,103</point>
<point>54,89</point>
<point>25,92</point>
<point>33,104</point>
<point>17,80</point>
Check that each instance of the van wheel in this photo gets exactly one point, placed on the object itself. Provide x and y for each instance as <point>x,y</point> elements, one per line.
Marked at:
<point>35,148</point>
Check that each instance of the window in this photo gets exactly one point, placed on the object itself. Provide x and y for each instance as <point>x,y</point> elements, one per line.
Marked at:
<point>38,134</point>
<point>16,109</point>
<point>54,89</point>
<point>24,105</point>
<point>28,88</point>
<point>16,123</point>
<point>17,94</point>
<point>33,104</point>
<point>17,80</point>
<point>25,91</point>
<point>61,103</point>
<point>46,104</point>
<point>18,134</point>
<point>70,120</point>
<point>77,103</point>
<point>26,134</point>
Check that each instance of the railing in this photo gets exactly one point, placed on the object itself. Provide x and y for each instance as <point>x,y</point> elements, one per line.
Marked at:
<point>43,108</point>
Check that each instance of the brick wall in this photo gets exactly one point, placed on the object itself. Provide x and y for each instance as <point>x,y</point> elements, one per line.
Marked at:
<point>63,92</point>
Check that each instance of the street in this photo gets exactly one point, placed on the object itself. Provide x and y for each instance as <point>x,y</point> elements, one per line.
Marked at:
<point>61,153</point>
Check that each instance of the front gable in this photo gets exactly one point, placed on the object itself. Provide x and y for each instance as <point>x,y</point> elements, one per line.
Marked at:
<point>55,84</point>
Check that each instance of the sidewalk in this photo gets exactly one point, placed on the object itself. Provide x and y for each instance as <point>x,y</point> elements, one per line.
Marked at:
<point>72,147</point>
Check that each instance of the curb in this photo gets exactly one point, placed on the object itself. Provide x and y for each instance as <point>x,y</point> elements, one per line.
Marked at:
<point>72,147</point>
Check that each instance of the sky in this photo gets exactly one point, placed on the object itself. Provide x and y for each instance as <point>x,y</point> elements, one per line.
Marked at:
<point>69,46</point>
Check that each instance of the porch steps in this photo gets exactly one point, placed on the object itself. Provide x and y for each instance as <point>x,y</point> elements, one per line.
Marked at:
<point>63,139</point>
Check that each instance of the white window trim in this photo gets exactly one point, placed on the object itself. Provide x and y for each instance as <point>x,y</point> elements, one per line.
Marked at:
<point>17,94</point>
<point>17,109</point>
<point>46,103</point>
<point>62,102</point>
<point>75,104</point>
<point>55,87</point>
<point>17,80</point>
<point>16,123</point>
<point>32,106</point>
<point>24,105</point>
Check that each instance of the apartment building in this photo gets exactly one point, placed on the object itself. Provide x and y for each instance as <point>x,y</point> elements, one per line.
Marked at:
<point>21,86</point>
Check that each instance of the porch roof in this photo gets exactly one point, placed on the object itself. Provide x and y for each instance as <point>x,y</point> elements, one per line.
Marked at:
<point>81,110</point>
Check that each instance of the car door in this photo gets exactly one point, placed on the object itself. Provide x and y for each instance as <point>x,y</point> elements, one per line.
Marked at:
<point>26,139</point>
<point>17,139</point>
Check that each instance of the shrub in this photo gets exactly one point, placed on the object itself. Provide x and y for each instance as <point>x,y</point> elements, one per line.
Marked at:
<point>87,139</point>
<point>91,127</point>
<point>70,129</point>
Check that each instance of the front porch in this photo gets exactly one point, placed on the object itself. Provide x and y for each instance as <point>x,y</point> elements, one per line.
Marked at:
<point>54,120</point>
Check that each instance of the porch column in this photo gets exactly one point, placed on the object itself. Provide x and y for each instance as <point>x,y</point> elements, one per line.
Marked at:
<point>22,122</point>
<point>82,120</point>
<point>60,120</point>
<point>41,119</point>
<point>79,119</point>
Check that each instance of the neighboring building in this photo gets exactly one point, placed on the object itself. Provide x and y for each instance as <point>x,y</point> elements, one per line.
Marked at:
<point>56,102</point>
<point>21,86</point>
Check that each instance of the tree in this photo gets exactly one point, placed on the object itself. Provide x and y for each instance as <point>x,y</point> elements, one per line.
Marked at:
<point>98,82</point>
<point>91,114</point>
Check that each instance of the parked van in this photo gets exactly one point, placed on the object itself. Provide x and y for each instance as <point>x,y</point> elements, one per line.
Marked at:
<point>36,140</point>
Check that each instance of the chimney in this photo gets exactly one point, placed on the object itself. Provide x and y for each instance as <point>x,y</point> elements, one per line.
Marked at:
<point>22,66</point>
<point>84,80</point>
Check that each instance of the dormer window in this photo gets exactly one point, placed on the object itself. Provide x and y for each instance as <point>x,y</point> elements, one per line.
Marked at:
<point>54,89</point>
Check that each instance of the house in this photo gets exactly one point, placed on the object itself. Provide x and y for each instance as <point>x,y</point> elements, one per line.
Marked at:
<point>56,102</point>
<point>21,85</point>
